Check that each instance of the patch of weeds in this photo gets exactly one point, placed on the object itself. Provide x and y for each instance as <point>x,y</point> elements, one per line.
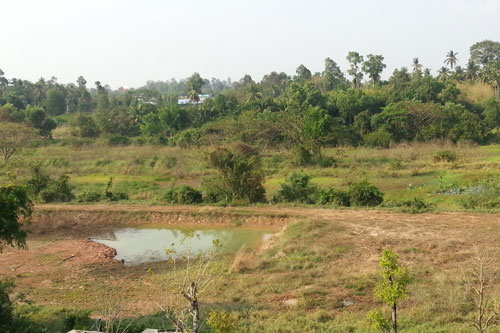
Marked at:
<point>103,162</point>
<point>298,260</point>
<point>486,195</point>
<point>412,250</point>
<point>413,206</point>
<point>239,223</point>
<point>444,156</point>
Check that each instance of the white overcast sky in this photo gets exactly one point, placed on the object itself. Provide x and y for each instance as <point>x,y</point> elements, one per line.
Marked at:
<point>127,42</point>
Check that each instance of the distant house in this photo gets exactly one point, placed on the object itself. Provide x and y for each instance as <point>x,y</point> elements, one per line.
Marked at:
<point>183,100</point>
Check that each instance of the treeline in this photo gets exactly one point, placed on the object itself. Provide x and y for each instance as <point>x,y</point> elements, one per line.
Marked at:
<point>306,111</point>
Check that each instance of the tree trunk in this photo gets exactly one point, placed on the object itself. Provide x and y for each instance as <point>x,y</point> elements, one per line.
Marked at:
<point>394,319</point>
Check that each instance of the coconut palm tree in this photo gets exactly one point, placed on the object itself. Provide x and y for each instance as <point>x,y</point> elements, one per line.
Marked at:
<point>443,73</point>
<point>471,70</point>
<point>451,59</point>
<point>417,66</point>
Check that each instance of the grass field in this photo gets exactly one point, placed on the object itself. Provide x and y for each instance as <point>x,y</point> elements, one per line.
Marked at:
<point>144,172</point>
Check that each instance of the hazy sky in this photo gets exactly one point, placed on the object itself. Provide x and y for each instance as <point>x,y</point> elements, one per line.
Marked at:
<point>127,42</point>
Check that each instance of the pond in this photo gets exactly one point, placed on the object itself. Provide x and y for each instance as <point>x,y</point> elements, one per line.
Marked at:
<point>148,244</point>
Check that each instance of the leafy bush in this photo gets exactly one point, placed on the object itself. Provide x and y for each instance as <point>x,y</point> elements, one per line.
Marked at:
<point>365,194</point>
<point>333,196</point>
<point>118,140</point>
<point>486,195</point>
<point>240,172</point>
<point>49,190</point>
<point>445,156</point>
<point>297,189</point>
<point>222,321</point>
<point>183,195</point>
<point>413,206</point>
<point>58,191</point>
<point>91,196</point>
<point>107,194</point>
<point>113,196</point>
<point>304,157</point>
<point>169,161</point>
<point>215,191</point>
<point>379,138</point>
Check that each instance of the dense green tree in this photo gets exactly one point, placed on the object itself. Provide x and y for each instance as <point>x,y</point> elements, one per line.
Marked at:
<point>84,101</point>
<point>491,113</point>
<point>159,127</point>
<point>118,120</point>
<point>275,84</point>
<point>302,74</point>
<point>485,52</point>
<point>351,102</point>
<point>373,67</point>
<point>9,112</point>
<point>37,117</point>
<point>355,60</point>
<point>55,102</point>
<point>84,126</point>
<point>194,84</point>
<point>332,74</point>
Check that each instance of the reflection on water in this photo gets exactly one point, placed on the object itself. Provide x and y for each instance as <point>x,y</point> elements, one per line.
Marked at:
<point>140,245</point>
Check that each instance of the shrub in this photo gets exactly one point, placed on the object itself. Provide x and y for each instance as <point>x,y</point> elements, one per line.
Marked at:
<point>183,195</point>
<point>240,172</point>
<point>302,156</point>
<point>222,321</point>
<point>91,196</point>
<point>486,195</point>
<point>118,140</point>
<point>58,191</point>
<point>333,196</point>
<point>413,206</point>
<point>365,194</point>
<point>84,126</point>
<point>298,189</point>
<point>215,191</point>
<point>445,156</point>
<point>113,196</point>
<point>379,138</point>
<point>169,161</point>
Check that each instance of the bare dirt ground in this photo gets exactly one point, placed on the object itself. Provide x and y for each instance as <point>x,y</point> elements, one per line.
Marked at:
<point>62,267</point>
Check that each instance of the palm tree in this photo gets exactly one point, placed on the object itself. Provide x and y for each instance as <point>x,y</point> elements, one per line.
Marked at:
<point>443,73</point>
<point>451,59</point>
<point>417,66</point>
<point>193,96</point>
<point>472,70</point>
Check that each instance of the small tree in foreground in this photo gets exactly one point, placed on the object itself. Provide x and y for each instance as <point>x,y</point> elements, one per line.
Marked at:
<point>479,279</point>
<point>195,273</point>
<point>393,287</point>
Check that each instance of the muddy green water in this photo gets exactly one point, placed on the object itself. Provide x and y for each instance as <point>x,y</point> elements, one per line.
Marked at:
<point>142,245</point>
